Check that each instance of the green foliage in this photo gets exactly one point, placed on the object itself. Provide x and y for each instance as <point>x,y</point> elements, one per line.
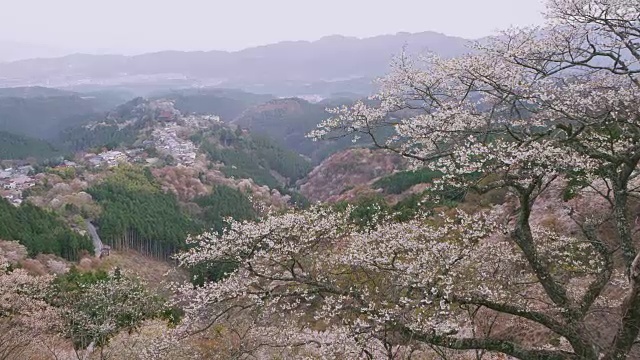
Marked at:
<point>576,181</point>
<point>228,104</point>
<point>41,231</point>
<point>133,201</point>
<point>298,200</point>
<point>224,202</point>
<point>95,307</point>
<point>240,164</point>
<point>287,121</point>
<point>401,181</point>
<point>43,117</point>
<point>252,157</point>
<point>409,207</point>
<point>108,131</point>
<point>66,173</point>
<point>365,211</point>
<point>211,272</point>
<point>285,162</point>
<point>74,280</point>
<point>110,136</point>
<point>14,146</point>
<point>368,211</point>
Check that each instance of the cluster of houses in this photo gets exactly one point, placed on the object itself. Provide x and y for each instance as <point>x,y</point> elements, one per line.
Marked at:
<point>167,141</point>
<point>13,181</point>
<point>112,158</point>
<point>200,121</point>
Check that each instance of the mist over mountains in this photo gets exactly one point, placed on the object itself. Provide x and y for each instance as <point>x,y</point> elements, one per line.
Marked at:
<point>14,51</point>
<point>331,64</point>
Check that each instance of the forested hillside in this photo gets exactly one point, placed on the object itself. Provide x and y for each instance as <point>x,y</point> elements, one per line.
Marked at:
<point>13,146</point>
<point>34,92</point>
<point>225,103</point>
<point>118,127</point>
<point>82,138</point>
<point>44,112</point>
<point>250,156</point>
<point>138,215</point>
<point>42,117</point>
<point>41,231</point>
<point>221,203</point>
<point>288,121</point>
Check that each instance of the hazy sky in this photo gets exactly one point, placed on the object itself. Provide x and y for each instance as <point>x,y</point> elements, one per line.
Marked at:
<point>135,26</point>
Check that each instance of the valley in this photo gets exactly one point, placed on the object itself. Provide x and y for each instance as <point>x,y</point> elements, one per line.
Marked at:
<point>410,196</point>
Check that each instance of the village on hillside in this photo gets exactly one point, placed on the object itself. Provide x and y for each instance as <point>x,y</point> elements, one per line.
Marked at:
<point>167,139</point>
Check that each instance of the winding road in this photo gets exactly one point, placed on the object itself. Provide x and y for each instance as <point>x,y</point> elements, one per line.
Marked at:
<point>97,243</point>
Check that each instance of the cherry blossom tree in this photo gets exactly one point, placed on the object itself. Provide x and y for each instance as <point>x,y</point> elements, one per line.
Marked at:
<point>98,310</point>
<point>524,112</point>
<point>24,315</point>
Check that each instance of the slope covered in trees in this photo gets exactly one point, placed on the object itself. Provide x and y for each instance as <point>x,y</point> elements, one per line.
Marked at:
<point>287,121</point>
<point>83,138</point>
<point>251,156</point>
<point>33,92</point>
<point>14,146</point>
<point>108,128</point>
<point>41,231</point>
<point>226,103</point>
<point>43,117</point>
<point>137,214</point>
<point>222,203</point>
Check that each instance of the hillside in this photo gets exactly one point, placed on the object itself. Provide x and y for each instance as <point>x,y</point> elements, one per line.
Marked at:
<point>158,124</point>
<point>348,174</point>
<point>14,146</point>
<point>43,112</point>
<point>225,103</point>
<point>288,121</point>
<point>33,91</point>
<point>42,117</point>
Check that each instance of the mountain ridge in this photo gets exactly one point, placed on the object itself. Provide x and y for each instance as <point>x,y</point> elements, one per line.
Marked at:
<point>302,63</point>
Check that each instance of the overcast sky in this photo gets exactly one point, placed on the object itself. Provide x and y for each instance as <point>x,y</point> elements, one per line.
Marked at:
<point>136,26</point>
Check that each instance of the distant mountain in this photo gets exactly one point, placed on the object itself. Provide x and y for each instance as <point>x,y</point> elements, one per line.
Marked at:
<point>286,67</point>
<point>12,51</point>
<point>43,112</point>
<point>42,117</point>
<point>34,92</point>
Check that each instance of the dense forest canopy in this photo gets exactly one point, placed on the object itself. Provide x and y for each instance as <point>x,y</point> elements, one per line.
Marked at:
<point>251,156</point>
<point>41,231</point>
<point>82,138</point>
<point>43,117</point>
<point>13,146</point>
<point>226,103</point>
<point>223,203</point>
<point>137,214</point>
